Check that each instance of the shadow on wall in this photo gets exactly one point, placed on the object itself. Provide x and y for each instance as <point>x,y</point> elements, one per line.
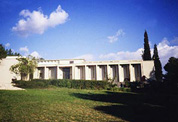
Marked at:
<point>134,107</point>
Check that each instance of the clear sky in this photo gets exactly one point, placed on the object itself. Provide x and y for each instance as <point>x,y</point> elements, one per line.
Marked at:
<point>90,29</point>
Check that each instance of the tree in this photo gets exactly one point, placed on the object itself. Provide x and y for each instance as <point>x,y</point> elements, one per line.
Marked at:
<point>146,54</point>
<point>171,76</point>
<point>32,64</point>
<point>157,63</point>
<point>11,53</point>
<point>3,52</point>
<point>25,67</point>
<point>8,52</point>
<point>16,54</point>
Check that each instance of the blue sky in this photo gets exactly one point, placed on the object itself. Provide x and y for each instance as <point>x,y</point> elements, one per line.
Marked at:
<point>90,29</point>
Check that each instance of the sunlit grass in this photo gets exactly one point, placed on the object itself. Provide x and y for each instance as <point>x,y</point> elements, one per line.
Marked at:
<point>63,104</point>
<point>51,105</point>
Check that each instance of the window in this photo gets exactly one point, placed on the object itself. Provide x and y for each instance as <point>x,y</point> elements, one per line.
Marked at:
<point>71,62</point>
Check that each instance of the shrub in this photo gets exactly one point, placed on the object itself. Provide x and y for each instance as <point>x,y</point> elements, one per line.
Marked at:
<point>127,83</point>
<point>121,89</point>
<point>32,84</point>
<point>77,84</point>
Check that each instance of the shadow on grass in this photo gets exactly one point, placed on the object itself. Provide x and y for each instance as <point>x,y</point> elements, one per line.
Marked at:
<point>135,107</point>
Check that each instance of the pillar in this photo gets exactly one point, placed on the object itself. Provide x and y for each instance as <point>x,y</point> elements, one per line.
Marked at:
<point>121,75</point>
<point>35,74</point>
<point>77,73</point>
<point>132,75</point>
<point>86,73</point>
<point>58,75</point>
<point>108,72</point>
<point>46,73</point>
<point>73,72</point>
<point>98,73</point>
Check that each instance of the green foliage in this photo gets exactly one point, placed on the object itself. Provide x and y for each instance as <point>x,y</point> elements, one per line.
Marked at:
<point>25,67</point>
<point>3,52</point>
<point>171,76</point>
<point>157,63</point>
<point>127,83</point>
<point>77,84</point>
<point>146,54</point>
<point>32,84</point>
<point>116,89</point>
<point>10,53</point>
<point>111,83</point>
<point>7,52</point>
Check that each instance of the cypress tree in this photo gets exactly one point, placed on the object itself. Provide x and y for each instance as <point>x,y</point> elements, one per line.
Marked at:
<point>146,54</point>
<point>157,63</point>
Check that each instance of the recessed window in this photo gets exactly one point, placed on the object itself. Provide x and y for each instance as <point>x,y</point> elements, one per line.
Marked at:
<point>71,62</point>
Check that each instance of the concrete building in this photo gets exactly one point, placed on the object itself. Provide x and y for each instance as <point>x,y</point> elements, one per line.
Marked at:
<point>5,75</point>
<point>118,71</point>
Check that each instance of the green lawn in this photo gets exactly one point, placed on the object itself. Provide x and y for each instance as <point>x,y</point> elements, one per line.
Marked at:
<point>62,104</point>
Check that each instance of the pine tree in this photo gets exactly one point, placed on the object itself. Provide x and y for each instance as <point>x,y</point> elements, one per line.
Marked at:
<point>6,52</point>
<point>157,63</point>
<point>146,54</point>
<point>3,52</point>
<point>9,52</point>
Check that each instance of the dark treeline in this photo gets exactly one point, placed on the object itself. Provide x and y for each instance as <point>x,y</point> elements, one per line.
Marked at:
<point>7,52</point>
<point>11,53</point>
<point>167,82</point>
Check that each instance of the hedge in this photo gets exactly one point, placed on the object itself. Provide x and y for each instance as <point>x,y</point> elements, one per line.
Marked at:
<point>77,84</point>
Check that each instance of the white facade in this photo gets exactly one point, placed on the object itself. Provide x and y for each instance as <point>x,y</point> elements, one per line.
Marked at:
<point>5,75</point>
<point>118,71</point>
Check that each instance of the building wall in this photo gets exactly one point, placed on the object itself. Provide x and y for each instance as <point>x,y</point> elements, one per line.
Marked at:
<point>5,75</point>
<point>148,69</point>
<point>100,70</point>
<point>52,73</point>
<point>81,69</point>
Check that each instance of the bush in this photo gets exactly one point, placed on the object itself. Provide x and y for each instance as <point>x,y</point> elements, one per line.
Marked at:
<point>120,89</point>
<point>32,84</point>
<point>127,83</point>
<point>77,84</point>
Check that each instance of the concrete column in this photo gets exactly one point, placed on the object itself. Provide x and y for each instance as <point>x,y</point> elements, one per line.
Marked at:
<point>46,73</point>
<point>87,73</point>
<point>121,75</point>
<point>98,73</point>
<point>132,74</point>
<point>49,73</point>
<point>77,73</point>
<point>58,75</point>
<point>83,72</point>
<point>35,74</point>
<point>73,72</point>
<point>108,72</point>
<point>111,71</point>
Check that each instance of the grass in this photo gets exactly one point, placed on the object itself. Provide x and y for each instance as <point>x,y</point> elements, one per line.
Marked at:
<point>63,104</point>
